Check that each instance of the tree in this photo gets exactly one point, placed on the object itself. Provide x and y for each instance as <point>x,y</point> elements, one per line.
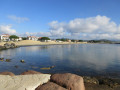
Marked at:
<point>44,38</point>
<point>80,40</point>
<point>13,37</point>
<point>62,39</point>
<point>24,38</point>
<point>72,40</point>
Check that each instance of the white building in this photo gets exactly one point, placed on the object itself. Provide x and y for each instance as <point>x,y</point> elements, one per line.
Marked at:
<point>32,38</point>
<point>19,39</point>
<point>4,37</point>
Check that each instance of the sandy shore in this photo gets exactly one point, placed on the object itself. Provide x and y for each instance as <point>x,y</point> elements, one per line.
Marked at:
<point>31,42</point>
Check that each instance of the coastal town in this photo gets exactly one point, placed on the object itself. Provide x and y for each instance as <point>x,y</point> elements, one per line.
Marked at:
<point>7,37</point>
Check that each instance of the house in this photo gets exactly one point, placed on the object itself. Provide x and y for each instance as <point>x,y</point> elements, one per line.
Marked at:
<point>19,39</point>
<point>32,38</point>
<point>4,37</point>
<point>59,41</point>
<point>68,40</point>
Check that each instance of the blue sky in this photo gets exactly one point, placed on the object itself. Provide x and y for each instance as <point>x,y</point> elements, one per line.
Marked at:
<point>79,19</point>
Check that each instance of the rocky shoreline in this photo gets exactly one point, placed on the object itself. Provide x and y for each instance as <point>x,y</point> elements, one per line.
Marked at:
<point>68,81</point>
<point>91,83</point>
<point>8,46</point>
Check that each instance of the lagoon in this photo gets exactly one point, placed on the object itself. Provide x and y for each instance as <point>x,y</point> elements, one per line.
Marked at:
<point>81,59</point>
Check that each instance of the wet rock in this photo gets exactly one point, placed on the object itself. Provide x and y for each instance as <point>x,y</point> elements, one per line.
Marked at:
<point>89,86</point>
<point>52,66</point>
<point>1,59</point>
<point>91,80</point>
<point>7,73</point>
<point>50,86</point>
<point>69,81</point>
<point>8,60</point>
<point>109,81</point>
<point>47,68</point>
<point>30,72</point>
<point>22,61</point>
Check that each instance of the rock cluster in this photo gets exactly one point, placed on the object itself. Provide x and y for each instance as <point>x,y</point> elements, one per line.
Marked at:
<point>9,45</point>
<point>65,81</point>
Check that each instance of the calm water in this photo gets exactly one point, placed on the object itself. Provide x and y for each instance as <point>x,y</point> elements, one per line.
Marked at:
<point>81,59</point>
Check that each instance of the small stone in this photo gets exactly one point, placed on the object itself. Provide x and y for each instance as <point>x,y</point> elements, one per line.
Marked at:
<point>1,60</point>
<point>22,61</point>
<point>8,60</point>
<point>46,68</point>
<point>52,66</point>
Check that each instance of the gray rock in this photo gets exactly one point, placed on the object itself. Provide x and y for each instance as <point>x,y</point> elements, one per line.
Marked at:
<point>23,82</point>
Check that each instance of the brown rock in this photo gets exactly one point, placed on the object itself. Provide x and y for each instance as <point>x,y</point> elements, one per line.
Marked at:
<point>30,72</point>
<point>7,73</point>
<point>69,81</point>
<point>50,86</point>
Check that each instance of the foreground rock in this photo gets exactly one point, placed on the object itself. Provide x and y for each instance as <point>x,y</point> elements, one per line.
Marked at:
<point>69,81</point>
<point>23,82</point>
<point>101,83</point>
<point>7,73</point>
<point>50,86</point>
<point>30,72</point>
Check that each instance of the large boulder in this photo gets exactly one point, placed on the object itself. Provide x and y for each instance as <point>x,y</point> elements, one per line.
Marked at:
<point>7,73</point>
<point>23,82</point>
<point>50,86</point>
<point>7,45</point>
<point>30,72</point>
<point>13,45</point>
<point>69,81</point>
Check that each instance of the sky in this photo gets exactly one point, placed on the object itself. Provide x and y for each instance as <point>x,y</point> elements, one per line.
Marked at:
<point>74,19</point>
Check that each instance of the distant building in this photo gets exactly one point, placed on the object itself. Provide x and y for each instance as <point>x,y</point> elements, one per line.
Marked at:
<point>59,41</point>
<point>32,38</point>
<point>4,37</point>
<point>68,40</point>
<point>19,39</point>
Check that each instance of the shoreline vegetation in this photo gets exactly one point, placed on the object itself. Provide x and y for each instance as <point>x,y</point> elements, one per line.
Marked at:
<point>91,83</point>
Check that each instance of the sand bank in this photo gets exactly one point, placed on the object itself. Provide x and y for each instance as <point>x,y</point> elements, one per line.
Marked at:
<point>31,42</point>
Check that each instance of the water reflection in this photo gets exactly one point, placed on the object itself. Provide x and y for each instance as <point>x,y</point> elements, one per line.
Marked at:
<point>79,58</point>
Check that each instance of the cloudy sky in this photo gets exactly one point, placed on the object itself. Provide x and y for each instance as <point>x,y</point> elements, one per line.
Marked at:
<point>75,19</point>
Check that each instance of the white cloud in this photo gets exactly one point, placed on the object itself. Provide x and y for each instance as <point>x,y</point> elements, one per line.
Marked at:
<point>7,29</point>
<point>87,28</point>
<point>99,27</point>
<point>39,34</point>
<point>18,19</point>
